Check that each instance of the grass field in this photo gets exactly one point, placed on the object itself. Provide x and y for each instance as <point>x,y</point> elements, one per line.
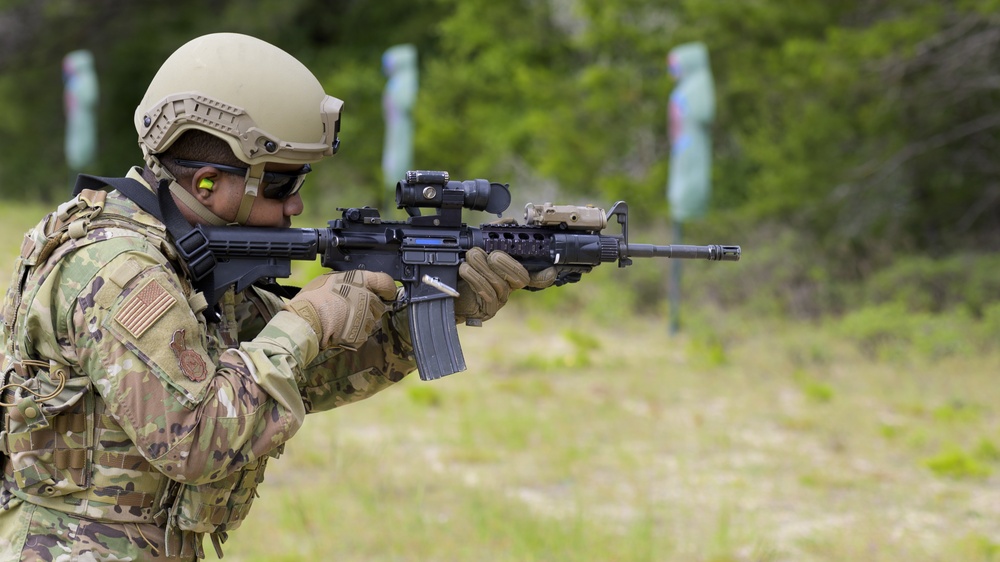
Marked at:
<point>571,441</point>
<point>574,439</point>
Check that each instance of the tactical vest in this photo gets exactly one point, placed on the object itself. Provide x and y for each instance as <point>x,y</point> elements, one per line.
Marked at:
<point>53,418</point>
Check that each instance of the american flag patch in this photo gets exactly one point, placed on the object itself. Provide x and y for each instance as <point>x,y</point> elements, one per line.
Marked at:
<point>144,308</point>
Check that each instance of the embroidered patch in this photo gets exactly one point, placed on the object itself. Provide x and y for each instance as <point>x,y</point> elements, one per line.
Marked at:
<point>191,364</point>
<point>144,308</point>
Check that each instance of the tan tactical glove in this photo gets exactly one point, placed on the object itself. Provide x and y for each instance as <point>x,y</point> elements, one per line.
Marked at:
<point>486,281</point>
<point>344,308</point>
<point>542,279</point>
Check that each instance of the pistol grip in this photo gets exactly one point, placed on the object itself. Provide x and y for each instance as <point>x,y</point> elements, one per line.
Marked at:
<point>434,335</point>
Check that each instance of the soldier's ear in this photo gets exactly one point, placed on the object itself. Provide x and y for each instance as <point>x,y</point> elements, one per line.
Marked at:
<point>205,182</point>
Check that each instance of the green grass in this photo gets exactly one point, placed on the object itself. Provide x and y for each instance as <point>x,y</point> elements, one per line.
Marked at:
<point>648,452</point>
<point>589,434</point>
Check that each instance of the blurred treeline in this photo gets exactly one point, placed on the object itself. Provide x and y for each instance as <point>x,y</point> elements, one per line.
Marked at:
<point>850,135</point>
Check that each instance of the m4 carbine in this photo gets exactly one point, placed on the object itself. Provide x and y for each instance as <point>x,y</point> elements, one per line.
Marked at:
<point>425,251</point>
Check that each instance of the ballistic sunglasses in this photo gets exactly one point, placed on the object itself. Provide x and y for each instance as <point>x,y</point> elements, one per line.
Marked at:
<point>274,185</point>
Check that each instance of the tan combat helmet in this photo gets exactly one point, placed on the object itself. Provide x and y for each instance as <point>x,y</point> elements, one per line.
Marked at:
<point>261,100</point>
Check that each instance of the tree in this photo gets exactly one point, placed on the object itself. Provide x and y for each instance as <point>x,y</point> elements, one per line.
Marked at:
<point>860,123</point>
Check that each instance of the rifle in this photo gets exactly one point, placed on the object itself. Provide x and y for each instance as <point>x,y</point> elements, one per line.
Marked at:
<point>424,251</point>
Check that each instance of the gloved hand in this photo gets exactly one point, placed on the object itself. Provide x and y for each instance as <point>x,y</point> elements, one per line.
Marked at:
<point>486,281</point>
<point>344,308</point>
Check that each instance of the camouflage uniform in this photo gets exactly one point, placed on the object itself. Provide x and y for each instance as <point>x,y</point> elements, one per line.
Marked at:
<point>145,427</point>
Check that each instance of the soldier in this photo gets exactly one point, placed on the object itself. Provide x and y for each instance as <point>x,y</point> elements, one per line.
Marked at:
<point>139,416</point>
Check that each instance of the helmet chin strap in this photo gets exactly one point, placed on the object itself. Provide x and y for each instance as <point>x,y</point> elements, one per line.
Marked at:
<point>254,175</point>
<point>183,195</point>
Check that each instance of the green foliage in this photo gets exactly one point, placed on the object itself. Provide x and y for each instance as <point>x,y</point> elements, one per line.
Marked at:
<point>987,451</point>
<point>831,103</point>
<point>781,273</point>
<point>609,294</point>
<point>890,332</point>
<point>424,395</point>
<point>953,462</point>
<point>957,411</point>
<point>579,352</point>
<point>708,351</point>
<point>990,325</point>
<point>816,391</point>
<point>921,283</point>
<point>975,546</point>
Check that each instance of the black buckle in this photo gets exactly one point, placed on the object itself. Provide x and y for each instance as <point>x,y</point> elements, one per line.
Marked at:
<point>194,248</point>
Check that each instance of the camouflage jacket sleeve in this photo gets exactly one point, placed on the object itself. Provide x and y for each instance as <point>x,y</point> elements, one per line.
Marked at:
<point>195,411</point>
<point>338,376</point>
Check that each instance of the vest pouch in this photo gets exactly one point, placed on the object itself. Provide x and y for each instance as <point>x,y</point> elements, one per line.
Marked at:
<point>221,505</point>
<point>12,299</point>
<point>49,432</point>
